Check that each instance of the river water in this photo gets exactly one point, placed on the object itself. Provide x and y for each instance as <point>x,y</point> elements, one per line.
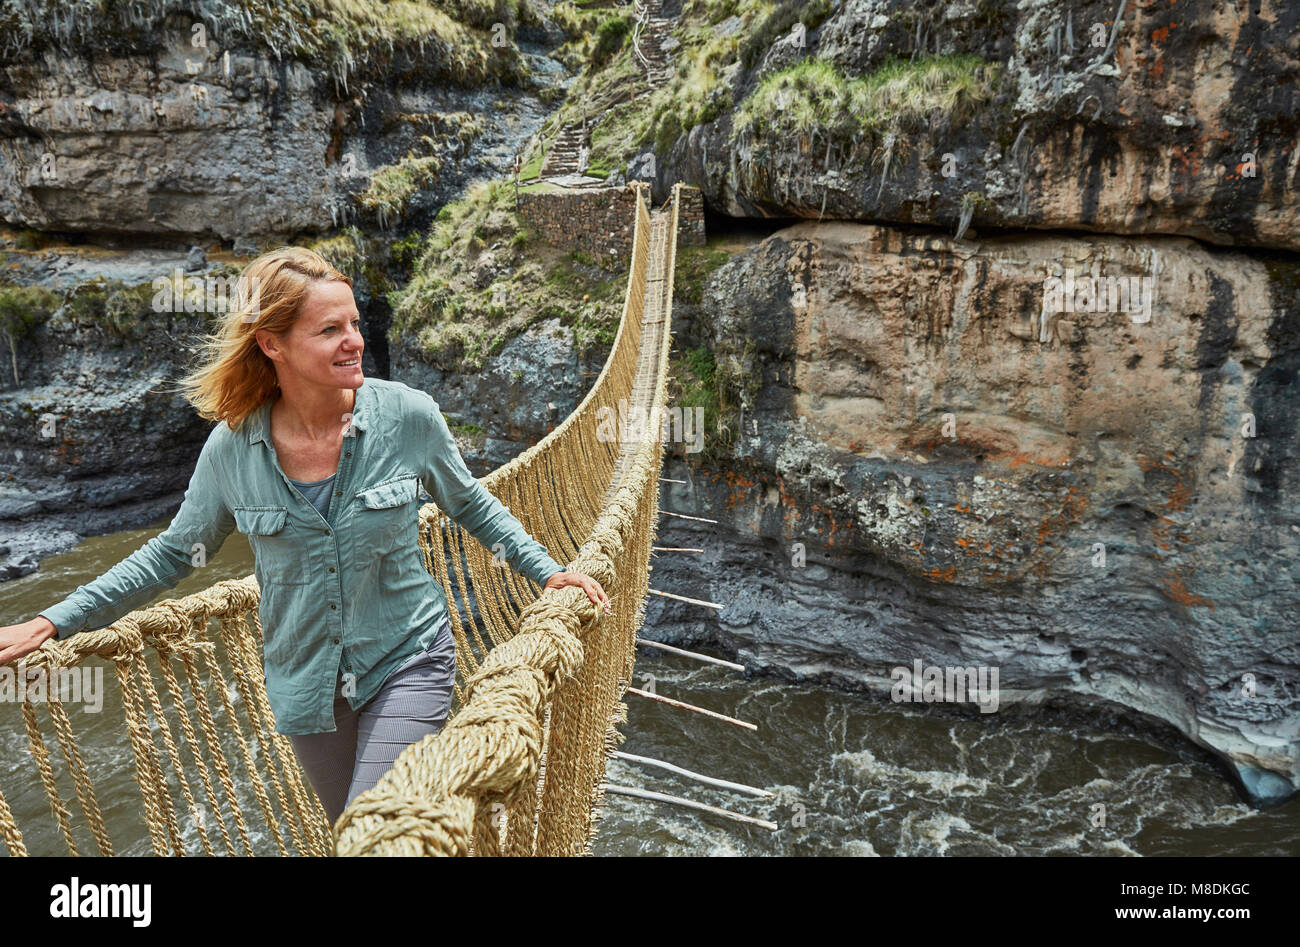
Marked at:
<point>851,775</point>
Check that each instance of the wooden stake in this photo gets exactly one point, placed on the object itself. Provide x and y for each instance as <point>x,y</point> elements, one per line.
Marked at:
<point>667,480</point>
<point>721,783</point>
<point>688,803</point>
<point>674,549</point>
<point>685,517</point>
<point>683,598</point>
<point>692,707</point>
<point>691,654</point>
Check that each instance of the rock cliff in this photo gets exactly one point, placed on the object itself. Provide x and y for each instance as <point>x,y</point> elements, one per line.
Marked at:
<point>1096,502</point>
<point>1131,118</point>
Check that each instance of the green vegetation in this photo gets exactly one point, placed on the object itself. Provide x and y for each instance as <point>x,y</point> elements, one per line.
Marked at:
<point>780,22</point>
<point>119,308</point>
<point>29,239</point>
<point>391,187</point>
<point>21,308</point>
<point>481,277</point>
<point>345,250</point>
<point>718,379</point>
<point>698,92</point>
<point>595,33</point>
<point>610,37</point>
<point>813,96</point>
<point>473,430</point>
<point>720,384</point>
<point>697,377</point>
<point>532,168</point>
<point>357,256</point>
<point>345,37</point>
<point>694,267</point>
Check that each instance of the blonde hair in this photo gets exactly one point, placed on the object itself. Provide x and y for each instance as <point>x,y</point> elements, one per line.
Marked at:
<point>234,376</point>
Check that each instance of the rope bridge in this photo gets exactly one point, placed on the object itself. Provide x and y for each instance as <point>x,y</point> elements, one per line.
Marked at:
<point>519,766</point>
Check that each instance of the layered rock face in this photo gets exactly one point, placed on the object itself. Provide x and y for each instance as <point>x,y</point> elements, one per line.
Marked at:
<point>1099,503</point>
<point>227,141</point>
<point>139,133</point>
<point>1172,118</point>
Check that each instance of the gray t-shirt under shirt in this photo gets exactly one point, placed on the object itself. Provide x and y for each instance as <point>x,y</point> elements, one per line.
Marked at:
<point>317,492</point>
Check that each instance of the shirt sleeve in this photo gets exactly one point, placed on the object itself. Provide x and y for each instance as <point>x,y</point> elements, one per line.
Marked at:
<point>202,524</point>
<point>470,504</point>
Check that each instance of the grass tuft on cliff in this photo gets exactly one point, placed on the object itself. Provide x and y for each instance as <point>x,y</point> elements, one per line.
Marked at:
<point>814,96</point>
<point>481,277</point>
<point>392,186</point>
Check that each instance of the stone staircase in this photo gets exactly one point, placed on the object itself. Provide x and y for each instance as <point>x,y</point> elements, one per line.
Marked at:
<point>651,41</point>
<point>654,40</point>
<point>564,153</point>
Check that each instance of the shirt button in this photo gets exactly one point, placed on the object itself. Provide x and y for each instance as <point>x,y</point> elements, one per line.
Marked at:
<point>348,454</point>
<point>333,606</point>
<point>331,568</point>
<point>338,493</point>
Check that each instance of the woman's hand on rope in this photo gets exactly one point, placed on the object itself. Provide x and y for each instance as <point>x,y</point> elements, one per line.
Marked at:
<point>583,581</point>
<point>19,640</point>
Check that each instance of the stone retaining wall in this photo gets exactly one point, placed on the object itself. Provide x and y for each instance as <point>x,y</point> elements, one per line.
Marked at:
<point>594,221</point>
<point>690,217</point>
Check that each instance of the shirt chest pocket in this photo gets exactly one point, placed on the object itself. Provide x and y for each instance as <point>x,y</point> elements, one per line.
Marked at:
<point>279,548</point>
<point>386,517</point>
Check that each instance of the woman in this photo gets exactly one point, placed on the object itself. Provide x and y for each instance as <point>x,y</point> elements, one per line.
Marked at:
<point>320,467</point>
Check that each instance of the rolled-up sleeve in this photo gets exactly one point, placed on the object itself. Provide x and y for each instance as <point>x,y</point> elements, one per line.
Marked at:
<point>469,503</point>
<point>199,527</point>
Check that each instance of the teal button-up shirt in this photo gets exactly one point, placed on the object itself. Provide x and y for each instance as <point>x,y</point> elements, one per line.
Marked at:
<point>343,595</point>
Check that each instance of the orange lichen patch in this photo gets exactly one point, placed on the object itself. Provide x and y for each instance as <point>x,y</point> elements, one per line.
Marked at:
<point>962,541</point>
<point>961,509</point>
<point>1071,511</point>
<point>1180,495</point>
<point>1176,589</point>
<point>739,485</point>
<point>1162,35</point>
<point>941,575</point>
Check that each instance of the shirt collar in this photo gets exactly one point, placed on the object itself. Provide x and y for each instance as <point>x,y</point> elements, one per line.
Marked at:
<point>259,422</point>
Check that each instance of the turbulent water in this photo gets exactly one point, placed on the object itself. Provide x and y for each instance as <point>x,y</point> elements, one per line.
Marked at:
<point>851,775</point>
<point>855,776</point>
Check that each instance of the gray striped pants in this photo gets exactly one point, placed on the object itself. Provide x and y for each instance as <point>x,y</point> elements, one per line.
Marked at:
<point>413,703</point>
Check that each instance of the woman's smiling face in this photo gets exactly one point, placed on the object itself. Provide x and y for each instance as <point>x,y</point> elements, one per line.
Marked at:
<point>324,346</point>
